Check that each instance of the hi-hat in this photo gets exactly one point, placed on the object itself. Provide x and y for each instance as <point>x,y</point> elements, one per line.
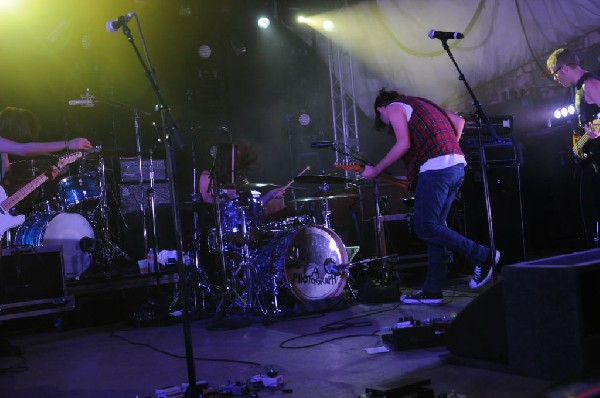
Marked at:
<point>328,197</point>
<point>321,179</point>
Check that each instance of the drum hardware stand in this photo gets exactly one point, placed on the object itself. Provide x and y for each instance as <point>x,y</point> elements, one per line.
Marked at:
<point>109,248</point>
<point>152,205</point>
<point>324,188</point>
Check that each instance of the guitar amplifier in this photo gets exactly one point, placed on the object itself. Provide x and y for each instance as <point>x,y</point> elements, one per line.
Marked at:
<point>500,150</point>
<point>132,195</point>
<point>503,125</point>
<point>130,169</point>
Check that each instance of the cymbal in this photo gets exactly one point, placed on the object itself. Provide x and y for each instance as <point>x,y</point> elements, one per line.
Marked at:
<point>248,185</point>
<point>193,205</point>
<point>309,198</point>
<point>321,179</point>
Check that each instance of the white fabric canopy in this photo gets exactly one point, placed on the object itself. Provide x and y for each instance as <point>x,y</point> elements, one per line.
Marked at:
<point>505,46</point>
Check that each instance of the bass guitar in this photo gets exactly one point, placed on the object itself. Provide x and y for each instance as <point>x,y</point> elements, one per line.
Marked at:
<point>8,221</point>
<point>353,166</point>
<point>579,141</point>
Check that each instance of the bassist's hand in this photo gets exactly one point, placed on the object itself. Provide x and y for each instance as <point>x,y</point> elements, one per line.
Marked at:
<point>591,131</point>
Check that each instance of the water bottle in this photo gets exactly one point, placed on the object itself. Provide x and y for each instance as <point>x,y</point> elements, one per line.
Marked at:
<point>151,260</point>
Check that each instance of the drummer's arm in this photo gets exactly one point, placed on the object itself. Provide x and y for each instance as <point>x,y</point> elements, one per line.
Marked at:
<point>272,194</point>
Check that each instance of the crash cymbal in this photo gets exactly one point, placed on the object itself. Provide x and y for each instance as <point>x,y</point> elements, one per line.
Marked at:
<point>309,198</point>
<point>248,185</point>
<point>321,179</point>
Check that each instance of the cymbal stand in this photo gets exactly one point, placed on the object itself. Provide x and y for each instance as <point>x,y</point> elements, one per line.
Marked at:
<point>326,212</point>
<point>142,192</point>
<point>109,248</point>
<point>152,205</point>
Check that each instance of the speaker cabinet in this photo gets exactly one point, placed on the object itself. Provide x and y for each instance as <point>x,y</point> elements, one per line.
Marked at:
<point>32,282</point>
<point>132,195</point>
<point>540,321</point>
<point>507,213</point>
<point>551,311</point>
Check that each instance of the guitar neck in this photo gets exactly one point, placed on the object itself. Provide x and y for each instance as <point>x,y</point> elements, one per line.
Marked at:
<point>28,188</point>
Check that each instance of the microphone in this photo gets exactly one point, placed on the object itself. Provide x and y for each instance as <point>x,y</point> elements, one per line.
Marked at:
<point>114,25</point>
<point>437,34</point>
<point>88,103</point>
<point>322,144</point>
<point>332,268</point>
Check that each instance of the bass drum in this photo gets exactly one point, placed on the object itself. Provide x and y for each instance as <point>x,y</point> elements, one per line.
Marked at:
<point>66,229</point>
<point>297,259</point>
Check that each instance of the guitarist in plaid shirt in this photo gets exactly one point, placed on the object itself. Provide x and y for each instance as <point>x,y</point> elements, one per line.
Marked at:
<point>427,140</point>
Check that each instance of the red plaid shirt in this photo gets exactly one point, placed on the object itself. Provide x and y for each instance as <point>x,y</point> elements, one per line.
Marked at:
<point>431,135</point>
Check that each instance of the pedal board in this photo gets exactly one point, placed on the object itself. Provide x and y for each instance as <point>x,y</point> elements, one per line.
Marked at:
<point>414,335</point>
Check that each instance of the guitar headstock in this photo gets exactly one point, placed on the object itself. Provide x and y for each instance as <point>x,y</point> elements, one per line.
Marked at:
<point>68,159</point>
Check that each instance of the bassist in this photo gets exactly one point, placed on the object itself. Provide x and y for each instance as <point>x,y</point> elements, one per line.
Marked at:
<point>566,69</point>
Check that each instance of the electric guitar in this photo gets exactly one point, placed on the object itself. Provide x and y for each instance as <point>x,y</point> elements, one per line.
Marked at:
<point>579,141</point>
<point>6,220</point>
<point>352,166</point>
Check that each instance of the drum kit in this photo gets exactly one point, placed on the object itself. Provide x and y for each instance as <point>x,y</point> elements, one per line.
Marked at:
<point>266,265</point>
<point>72,211</point>
<point>263,264</point>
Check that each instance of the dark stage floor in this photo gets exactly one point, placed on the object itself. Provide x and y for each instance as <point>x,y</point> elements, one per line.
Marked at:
<point>325,353</point>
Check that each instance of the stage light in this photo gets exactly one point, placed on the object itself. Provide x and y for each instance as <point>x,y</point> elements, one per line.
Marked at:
<point>328,25</point>
<point>264,22</point>
<point>557,114</point>
<point>571,109</point>
<point>302,19</point>
<point>304,119</point>
<point>204,51</point>
<point>7,4</point>
<point>564,112</point>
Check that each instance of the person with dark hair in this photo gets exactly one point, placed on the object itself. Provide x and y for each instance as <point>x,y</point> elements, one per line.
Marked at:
<point>231,167</point>
<point>427,140</point>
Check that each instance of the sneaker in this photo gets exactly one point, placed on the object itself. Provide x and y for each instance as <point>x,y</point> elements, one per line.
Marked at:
<point>483,273</point>
<point>422,297</point>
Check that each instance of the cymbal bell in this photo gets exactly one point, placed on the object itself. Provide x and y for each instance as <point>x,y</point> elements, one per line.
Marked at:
<point>338,196</point>
<point>321,179</point>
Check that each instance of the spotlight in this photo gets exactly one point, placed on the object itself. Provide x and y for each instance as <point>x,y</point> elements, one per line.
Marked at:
<point>328,25</point>
<point>263,22</point>
<point>304,119</point>
<point>302,19</point>
<point>571,109</point>
<point>557,114</point>
<point>564,112</point>
<point>204,51</point>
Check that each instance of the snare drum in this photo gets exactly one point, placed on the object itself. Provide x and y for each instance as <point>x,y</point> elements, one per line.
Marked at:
<point>297,259</point>
<point>79,189</point>
<point>66,229</point>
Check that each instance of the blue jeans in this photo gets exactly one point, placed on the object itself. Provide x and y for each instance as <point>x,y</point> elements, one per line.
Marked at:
<point>434,195</point>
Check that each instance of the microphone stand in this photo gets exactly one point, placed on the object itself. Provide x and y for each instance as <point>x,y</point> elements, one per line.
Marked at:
<point>170,130</point>
<point>480,115</point>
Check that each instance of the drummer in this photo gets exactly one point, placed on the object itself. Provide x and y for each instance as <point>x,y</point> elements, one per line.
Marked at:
<point>231,166</point>
<point>19,128</point>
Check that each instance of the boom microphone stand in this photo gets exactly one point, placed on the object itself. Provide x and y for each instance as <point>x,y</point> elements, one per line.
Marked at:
<point>479,116</point>
<point>170,130</point>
